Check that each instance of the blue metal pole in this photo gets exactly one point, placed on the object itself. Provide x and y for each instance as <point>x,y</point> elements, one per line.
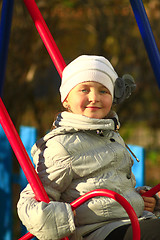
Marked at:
<point>147,36</point>
<point>5,26</point>
<point>5,149</point>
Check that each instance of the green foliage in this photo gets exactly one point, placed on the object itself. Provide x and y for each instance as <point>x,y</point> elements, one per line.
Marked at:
<point>153,156</point>
<point>69,3</point>
<point>127,131</point>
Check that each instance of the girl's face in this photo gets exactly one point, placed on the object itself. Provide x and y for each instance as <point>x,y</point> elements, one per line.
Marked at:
<point>90,99</point>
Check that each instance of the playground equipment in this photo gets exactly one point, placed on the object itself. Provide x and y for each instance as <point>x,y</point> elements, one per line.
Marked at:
<point>147,36</point>
<point>106,193</point>
<point>5,120</point>
<point>5,26</point>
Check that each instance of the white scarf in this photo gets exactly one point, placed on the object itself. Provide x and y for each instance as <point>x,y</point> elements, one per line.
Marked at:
<point>80,122</point>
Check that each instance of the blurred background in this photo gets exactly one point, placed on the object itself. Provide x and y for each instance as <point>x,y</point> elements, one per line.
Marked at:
<point>78,27</point>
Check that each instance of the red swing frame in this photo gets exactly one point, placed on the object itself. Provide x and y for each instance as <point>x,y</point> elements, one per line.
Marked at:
<point>21,153</point>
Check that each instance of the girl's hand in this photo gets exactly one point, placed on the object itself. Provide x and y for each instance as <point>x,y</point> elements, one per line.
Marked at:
<point>149,202</point>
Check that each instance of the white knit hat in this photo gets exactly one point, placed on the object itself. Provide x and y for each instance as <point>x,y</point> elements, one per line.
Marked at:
<point>88,68</point>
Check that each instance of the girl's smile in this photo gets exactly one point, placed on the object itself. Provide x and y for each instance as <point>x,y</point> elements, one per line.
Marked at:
<point>93,108</point>
<point>90,99</point>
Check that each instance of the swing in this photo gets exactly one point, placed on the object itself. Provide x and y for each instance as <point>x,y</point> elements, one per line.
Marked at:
<point>19,149</point>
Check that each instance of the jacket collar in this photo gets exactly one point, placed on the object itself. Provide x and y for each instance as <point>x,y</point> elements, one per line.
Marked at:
<point>69,123</point>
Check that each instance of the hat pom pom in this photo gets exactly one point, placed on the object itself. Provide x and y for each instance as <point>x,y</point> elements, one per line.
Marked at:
<point>123,88</point>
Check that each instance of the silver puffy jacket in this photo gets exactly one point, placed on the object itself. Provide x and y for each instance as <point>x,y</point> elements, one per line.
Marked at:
<point>81,154</point>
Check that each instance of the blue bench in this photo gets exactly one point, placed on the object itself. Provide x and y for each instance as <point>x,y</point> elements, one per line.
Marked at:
<point>138,167</point>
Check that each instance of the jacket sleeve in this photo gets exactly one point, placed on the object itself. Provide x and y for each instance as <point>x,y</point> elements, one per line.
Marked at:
<point>50,221</point>
<point>54,167</point>
<point>54,220</point>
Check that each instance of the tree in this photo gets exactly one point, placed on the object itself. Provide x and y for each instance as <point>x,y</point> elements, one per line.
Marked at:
<point>79,27</point>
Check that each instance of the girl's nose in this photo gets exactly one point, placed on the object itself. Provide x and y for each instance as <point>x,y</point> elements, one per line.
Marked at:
<point>93,96</point>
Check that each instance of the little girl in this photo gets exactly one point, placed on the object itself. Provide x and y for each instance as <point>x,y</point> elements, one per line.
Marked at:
<point>85,152</point>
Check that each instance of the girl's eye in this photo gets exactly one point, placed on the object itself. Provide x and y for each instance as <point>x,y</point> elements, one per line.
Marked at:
<point>84,90</point>
<point>103,91</point>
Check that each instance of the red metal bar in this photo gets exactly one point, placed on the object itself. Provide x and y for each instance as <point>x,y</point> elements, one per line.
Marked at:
<point>46,36</point>
<point>6,122</point>
<point>27,236</point>
<point>23,159</point>
<point>21,154</point>
<point>117,197</point>
<point>56,58</point>
<point>152,191</point>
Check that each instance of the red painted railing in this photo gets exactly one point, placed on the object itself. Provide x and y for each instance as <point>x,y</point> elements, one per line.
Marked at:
<point>117,197</point>
<point>106,193</point>
<point>45,36</point>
